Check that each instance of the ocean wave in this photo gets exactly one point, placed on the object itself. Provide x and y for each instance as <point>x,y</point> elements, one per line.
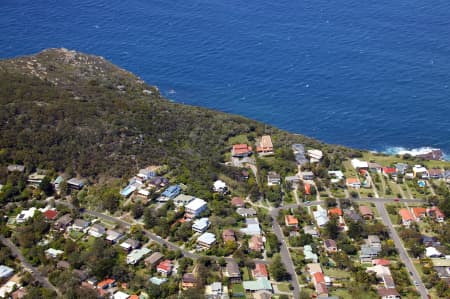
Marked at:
<point>399,150</point>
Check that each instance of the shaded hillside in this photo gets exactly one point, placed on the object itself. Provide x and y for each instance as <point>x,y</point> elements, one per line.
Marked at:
<point>66,110</point>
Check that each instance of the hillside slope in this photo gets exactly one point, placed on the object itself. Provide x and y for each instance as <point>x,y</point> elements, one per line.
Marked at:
<point>66,110</point>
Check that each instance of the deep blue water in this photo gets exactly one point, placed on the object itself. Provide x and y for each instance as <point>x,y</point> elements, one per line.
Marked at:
<point>367,74</point>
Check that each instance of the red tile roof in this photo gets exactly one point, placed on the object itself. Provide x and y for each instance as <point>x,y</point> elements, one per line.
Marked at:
<point>260,270</point>
<point>50,214</point>
<point>307,189</point>
<point>165,266</point>
<point>105,283</point>
<point>335,211</point>
<point>133,297</point>
<point>437,212</point>
<point>419,212</point>
<point>365,210</point>
<point>237,202</point>
<point>406,215</point>
<point>352,181</point>
<point>290,220</point>
<point>381,262</point>
<point>239,149</point>
<point>319,277</point>
<point>389,170</point>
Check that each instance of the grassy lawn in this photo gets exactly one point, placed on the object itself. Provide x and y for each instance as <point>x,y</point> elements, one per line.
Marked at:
<point>245,274</point>
<point>387,160</point>
<point>336,273</point>
<point>238,139</point>
<point>284,287</point>
<point>76,235</point>
<point>238,290</point>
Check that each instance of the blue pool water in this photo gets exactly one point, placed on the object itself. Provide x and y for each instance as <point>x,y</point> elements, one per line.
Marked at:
<point>367,74</point>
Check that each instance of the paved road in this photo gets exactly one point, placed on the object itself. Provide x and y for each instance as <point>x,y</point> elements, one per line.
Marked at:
<point>401,249</point>
<point>34,271</point>
<point>284,252</point>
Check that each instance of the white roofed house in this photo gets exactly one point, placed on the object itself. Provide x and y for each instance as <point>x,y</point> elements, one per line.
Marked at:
<point>130,244</point>
<point>420,172</point>
<point>201,225</point>
<point>136,255</point>
<point>358,164</point>
<point>321,216</point>
<point>24,215</point>
<point>206,240</point>
<point>195,208</point>
<point>252,228</point>
<point>220,186</point>
<point>97,230</point>
<point>80,224</point>
<point>315,155</point>
<point>273,178</point>
<point>113,236</point>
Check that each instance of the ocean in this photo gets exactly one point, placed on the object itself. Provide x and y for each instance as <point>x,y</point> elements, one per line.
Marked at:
<point>367,74</point>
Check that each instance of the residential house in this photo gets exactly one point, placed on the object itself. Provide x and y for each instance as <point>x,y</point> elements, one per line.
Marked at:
<point>321,216</point>
<point>97,230</point>
<point>171,192</point>
<point>442,267</point>
<point>75,183</point>
<point>157,280</point>
<point>53,253</point>
<point>291,221</point>
<point>367,253</point>
<point>381,262</point>
<point>307,175</point>
<point>374,167</point>
<point>436,173</point>
<point>259,284</point>
<point>246,212</point>
<point>256,243</point>
<point>106,284</point>
<point>336,176</point>
<point>195,208</point>
<point>379,270</point>
<point>294,179</point>
<point>353,183</point>
<point>386,293</point>
<point>237,202</point>
<point>165,267</point>
<point>136,255</point>
<point>432,252</point>
<point>330,245</point>
<point>260,271</point>
<point>80,225</point>
<point>420,172</point>
<point>128,190</point>
<point>15,167</point>
<point>113,236</point>
<point>120,295</point>
<point>130,244</point>
<point>63,222</point>
<point>335,212</point>
<point>153,259</point>
<point>252,228</point>
<point>228,235</point>
<point>314,155</point>
<point>436,214</point>
<point>352,215</point>
<point>401,167</point>
<point>19,293</point>
<point>183,200</point>
<point>419,213</point>
<point>6,272</point>
<point>201,225</point>
<point>430,241</point>
<point>216,291</point>
<point>206,240</point>
<point>158,182</point>
<point>220,187</point>
<point>148,172</point>
<point>389,171</point>
<point>358,164</point>
<point>50,215</point>
<point>35,178</point>
<point>374,241</point>
<point>232,272</point>
<point>318,279</point>
<point>407,218</point>
<point>273,178</point>
<point>24,215</point>
<point>188,281</point>
<point>309,254</point>
<point>265,145</point>
<point>447,176</point>
<point>311,230</point>
<point>366,212</point>
<point>241,150</point>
